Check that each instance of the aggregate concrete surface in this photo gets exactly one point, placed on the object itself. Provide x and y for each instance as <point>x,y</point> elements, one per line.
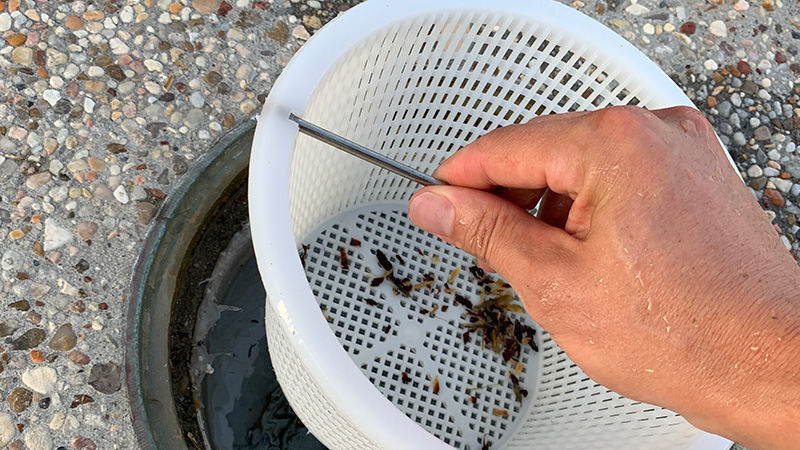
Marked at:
<point>104,105</point>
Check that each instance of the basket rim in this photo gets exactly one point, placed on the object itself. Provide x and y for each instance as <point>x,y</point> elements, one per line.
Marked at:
<point>338,377</point>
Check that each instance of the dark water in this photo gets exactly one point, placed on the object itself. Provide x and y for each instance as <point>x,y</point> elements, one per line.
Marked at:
<point>244,405</point>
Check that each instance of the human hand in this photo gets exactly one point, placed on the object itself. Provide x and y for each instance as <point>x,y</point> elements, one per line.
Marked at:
<point>651,265</point>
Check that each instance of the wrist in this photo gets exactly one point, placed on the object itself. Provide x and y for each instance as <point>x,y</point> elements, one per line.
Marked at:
<point>754,398</point>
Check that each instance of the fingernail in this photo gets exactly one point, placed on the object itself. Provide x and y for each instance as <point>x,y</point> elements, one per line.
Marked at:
<point>433,213</point>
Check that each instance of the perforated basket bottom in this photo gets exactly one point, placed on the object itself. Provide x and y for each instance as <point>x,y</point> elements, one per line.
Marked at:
<point>388,334</point>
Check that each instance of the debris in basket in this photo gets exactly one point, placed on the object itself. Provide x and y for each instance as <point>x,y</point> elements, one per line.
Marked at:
<point>517,369</point>
<point>435,386</point>
<point>371,302</point>
<point>427,281</point>
<point>324,310</point>
<point>387,328</point>
<point>486,445</point>
<point>343,259</point>
<point>355,242</point>
<point>436,259</point>
<point>405,378</point>
<point>375,282</point>
<point>417,249</point>
<point>500,332</point>
<point>474,399</point>
<point>465,336</point>
<point>400,260</point>
<point>402,286</point>
<point>453,275</point>
<point>500,412</point>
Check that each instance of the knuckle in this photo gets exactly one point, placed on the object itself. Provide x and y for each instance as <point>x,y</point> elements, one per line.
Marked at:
<point>625,130</point>
<point>623,127</point>
<point>621,116</point>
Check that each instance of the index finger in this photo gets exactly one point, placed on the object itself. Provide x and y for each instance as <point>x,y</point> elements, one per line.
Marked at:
<point>555,151</point>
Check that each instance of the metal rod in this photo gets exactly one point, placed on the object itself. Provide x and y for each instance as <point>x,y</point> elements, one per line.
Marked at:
<point>364,153</point>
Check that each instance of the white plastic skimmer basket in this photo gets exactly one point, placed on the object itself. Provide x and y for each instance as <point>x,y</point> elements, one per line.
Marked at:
<point>416,80</point>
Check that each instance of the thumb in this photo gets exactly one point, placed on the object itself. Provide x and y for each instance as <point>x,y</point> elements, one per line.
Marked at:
<point>492,229</point>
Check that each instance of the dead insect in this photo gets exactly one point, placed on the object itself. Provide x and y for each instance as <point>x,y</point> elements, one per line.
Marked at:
<point>436,386</point>
<point>371,302</point>
<point>530,333</point>
<point>343,259</point>
<point>445,308</point>
<point>400,260</point>
<point>424,311</point>
<point>303,255</point>
<point>519,393</point>
<point>473,399</point>
<point>461,300</point>
<point>387,328</point>
<point>486,445</point>
<point>402,286</point>
<point>419,251</point>
<point>465,336</point>
<point>375,282</point>
<point>479,274</point>
<point>355,242</point>
<point>405,378</point>
<point>383,260</point>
